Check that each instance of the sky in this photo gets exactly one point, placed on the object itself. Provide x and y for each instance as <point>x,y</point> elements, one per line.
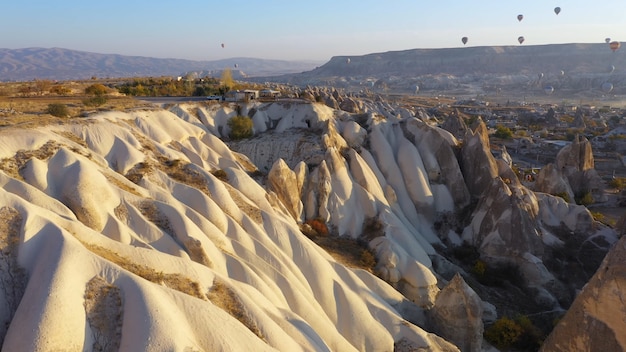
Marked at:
<point>300,30</point>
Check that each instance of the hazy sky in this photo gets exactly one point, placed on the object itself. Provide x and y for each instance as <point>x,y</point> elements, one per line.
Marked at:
<point>298,29</point>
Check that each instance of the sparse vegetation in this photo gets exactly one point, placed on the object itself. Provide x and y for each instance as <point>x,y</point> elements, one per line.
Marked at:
<point>564,196</point>
<point>174,281</point>
<point>584,198</point>
<point>223,297</point>
<point>220,174</point>
<point>13,277</point>
<point>348,251</point>
<point>618,183</point>
<point>103,307</point>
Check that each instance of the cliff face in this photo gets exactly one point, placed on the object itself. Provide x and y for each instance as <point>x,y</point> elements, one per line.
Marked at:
<point>596,321</point>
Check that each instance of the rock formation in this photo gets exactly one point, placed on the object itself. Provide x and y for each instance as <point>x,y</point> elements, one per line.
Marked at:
<point>596,321</point>
<point>176,222</point>
<point>572,175</point>
<point>457,315</point>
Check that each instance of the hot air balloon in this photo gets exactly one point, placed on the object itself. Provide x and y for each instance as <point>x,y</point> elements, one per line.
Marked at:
<point>562,73</point>
<point>614,45</point>
<point>607,87</point>
<point>520,17</point>
<point>557,10</point>
<point>520,39</point>
<point>607,40</point>
<point>548,89</point>
<point>464,40</point>
<point>222,45</point>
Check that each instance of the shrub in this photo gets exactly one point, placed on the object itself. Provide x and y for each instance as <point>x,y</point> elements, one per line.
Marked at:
<point>96,89</point>
<point>95,101</point>
<point>503,333</point>
<point>584,198</point>
<point>564,196</point>
<point>58,110</point>
<point>60,90</point>
<point>618,183</point>
<point>240,127</point>
<point>503,132</point>
<point>479,268</point>
<point>318,225</point>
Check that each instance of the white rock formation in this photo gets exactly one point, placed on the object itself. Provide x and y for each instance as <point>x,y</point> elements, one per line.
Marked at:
<point>179,260</point>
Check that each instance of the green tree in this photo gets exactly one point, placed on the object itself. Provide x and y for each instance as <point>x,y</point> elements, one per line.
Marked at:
<point>503,132</point>
<point>240,127</point>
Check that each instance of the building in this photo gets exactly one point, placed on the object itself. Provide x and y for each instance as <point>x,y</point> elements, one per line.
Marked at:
<point>241,95</point>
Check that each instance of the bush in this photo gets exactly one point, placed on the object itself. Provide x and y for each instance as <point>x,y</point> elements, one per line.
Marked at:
<point>318,225</point>
<point>504,333</point>
<point>60,90</point>
<point>584,198</point>
<point>503,132</point>
<point>95,101</point>
<point>564,196</point>
<point>240,127</point>
<point>618,183</point>
<point>96,89</point>
<point>58,110</point>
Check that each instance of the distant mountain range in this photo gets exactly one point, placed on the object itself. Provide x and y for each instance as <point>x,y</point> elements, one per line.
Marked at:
<point>563,66</point>
<point>64,64</point>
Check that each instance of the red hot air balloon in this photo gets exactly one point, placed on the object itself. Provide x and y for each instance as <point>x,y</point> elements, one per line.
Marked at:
<point>520,17</point>
<point>520,39</point>
<point>464,40</point>
<point>614,45</point>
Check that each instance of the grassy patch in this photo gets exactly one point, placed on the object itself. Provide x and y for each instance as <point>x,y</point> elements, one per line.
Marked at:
<point>174,281</point>
<point>227,300</point>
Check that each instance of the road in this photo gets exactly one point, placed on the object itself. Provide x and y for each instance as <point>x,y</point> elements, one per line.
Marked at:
<point>171,100</point>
